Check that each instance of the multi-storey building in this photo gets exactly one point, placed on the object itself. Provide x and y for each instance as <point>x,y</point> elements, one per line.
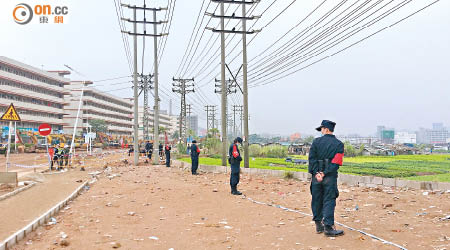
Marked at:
<point>166,121</point>
<point>38,95</point>
<point>116,112</point>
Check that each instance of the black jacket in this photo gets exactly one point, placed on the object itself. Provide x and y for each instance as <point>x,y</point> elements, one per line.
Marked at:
<point>194,150</point>
<point>234,159</point>
<point>324,150</point>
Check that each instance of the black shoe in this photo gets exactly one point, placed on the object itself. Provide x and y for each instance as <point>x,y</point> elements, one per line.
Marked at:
<point>319,227</point>
<point>237,193</point>
<point>330,231</point>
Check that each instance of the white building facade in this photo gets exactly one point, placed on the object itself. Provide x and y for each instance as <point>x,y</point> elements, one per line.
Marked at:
<point>37,95</point>
<point>116,112</point>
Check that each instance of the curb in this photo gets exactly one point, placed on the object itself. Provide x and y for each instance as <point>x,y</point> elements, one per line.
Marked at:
<point>22,233</point>
<point>5,196</point>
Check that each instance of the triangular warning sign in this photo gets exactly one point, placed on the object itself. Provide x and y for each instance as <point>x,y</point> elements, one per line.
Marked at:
<point>11,114</point>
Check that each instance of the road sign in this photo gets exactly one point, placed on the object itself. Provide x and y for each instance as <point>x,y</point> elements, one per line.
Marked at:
<point>45,129</point>
<point>11,114</point>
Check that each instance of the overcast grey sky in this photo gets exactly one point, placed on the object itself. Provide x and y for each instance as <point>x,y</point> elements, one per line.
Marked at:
<point>398,78</point>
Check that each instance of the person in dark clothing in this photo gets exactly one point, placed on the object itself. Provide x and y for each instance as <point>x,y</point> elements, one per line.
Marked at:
<point>235,162</point>
<point>167,152</point>
<point>130,150</point>
<point>148,149</point>
<point>325,157</point>
<point>161,151</point>
<point>195,152</point>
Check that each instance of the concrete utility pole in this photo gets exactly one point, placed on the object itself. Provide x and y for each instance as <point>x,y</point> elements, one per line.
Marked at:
<point>183,87</point>
<point>244,32</point>
<point>210,117</point>
<point>222,32</point>
<point>136,101</point>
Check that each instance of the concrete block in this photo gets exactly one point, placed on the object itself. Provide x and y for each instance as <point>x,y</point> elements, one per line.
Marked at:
<point>443,186</point>
<point>428,185</point>
<point>389,182</point>
<point>376,180</point>
<point>8,178</point>
<point>401,183</point>
<point>413,184</point>
<point>278,173</point>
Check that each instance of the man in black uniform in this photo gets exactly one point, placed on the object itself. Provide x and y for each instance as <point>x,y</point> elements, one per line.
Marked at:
<point>148,149</point>
<point>195,152</point>
<point>167,151</point>
<point>161,152</point>
<point>325,157</point>
<point>235,162</point>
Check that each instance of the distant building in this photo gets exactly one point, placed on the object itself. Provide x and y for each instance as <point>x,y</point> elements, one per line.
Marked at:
<point>192,123</point>
<point>165,121</point>
<point>386,135</point>
<point>115,111</point>
<point>37,95</point>
<point>405,137</point>
<point>437,135</point>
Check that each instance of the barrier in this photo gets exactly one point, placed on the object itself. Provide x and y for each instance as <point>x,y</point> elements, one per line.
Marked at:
<point>351,180</point>
<point>22,233</point>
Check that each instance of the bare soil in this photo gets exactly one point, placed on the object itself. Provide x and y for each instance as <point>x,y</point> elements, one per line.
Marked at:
<point>154,207</point>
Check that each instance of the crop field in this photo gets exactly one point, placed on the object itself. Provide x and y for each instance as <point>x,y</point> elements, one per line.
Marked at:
<point>411,167</point>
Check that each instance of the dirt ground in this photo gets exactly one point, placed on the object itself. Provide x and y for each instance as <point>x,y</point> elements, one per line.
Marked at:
<point>154,207</point>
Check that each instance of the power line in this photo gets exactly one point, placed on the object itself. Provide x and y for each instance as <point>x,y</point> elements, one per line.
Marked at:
<point>351,45</point>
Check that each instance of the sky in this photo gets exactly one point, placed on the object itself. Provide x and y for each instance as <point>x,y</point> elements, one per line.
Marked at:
<point>398,78</point>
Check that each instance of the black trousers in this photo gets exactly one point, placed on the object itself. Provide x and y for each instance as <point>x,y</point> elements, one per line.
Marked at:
<point>235,175</point>
<point>194,165</point>
<point>168,160</point>
<point>323,201</point>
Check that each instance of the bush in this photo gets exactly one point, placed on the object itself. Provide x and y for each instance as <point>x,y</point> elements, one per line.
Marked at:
<point>254,150</point>
<point>274,151</point>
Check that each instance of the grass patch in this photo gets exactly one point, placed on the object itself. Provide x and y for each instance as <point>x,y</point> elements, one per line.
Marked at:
<point>411,167</point>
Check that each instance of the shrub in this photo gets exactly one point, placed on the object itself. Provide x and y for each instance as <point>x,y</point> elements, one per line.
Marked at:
<point>274,151</point>
<point>254,150</point>
<point>288,175</point>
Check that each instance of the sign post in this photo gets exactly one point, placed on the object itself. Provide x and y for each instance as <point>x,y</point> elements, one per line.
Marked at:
<point>10,115</point>
<point>44,130</point>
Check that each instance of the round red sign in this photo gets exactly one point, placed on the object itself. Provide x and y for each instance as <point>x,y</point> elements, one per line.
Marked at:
<point>45,129</point>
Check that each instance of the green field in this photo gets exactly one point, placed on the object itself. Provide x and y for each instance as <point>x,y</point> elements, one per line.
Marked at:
<point>411,167</point>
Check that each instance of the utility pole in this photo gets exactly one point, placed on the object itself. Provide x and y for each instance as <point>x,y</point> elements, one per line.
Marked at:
<point>222,32</point>
<point>237,109</point>
<point>230,86</point>
<point>210,117</point>
<point>145,86</point>
<point>189,113</point>
<point>135,74</point>
<point>183,87</point>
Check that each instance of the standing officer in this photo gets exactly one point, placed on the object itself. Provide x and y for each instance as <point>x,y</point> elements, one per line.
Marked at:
<point>235,162</point>
<point>195,152</point>
<point>148,148</point>
<point>167,151</point>
<point>325,157</point>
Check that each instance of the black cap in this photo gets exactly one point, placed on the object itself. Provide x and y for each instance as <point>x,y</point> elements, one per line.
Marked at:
<point>238,139</point>
<point>194,141</point>
<point>327,124</point>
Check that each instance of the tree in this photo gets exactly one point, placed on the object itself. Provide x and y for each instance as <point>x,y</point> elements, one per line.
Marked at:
<point>98,126</point>
<point>309,139</point>
<point>175,135</point>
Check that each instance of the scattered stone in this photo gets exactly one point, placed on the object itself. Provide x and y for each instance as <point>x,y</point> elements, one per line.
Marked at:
<point>109,204</point>
<point>215,190</point>
<point>64,243</point>
<point>153,238</point>
<point>52,221</point>
<point>115,245</point>
<point>425,193</point>
<point>386,206</point>
<point>63,235</point>
<point>132,213</point>
<point>228,227</point>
